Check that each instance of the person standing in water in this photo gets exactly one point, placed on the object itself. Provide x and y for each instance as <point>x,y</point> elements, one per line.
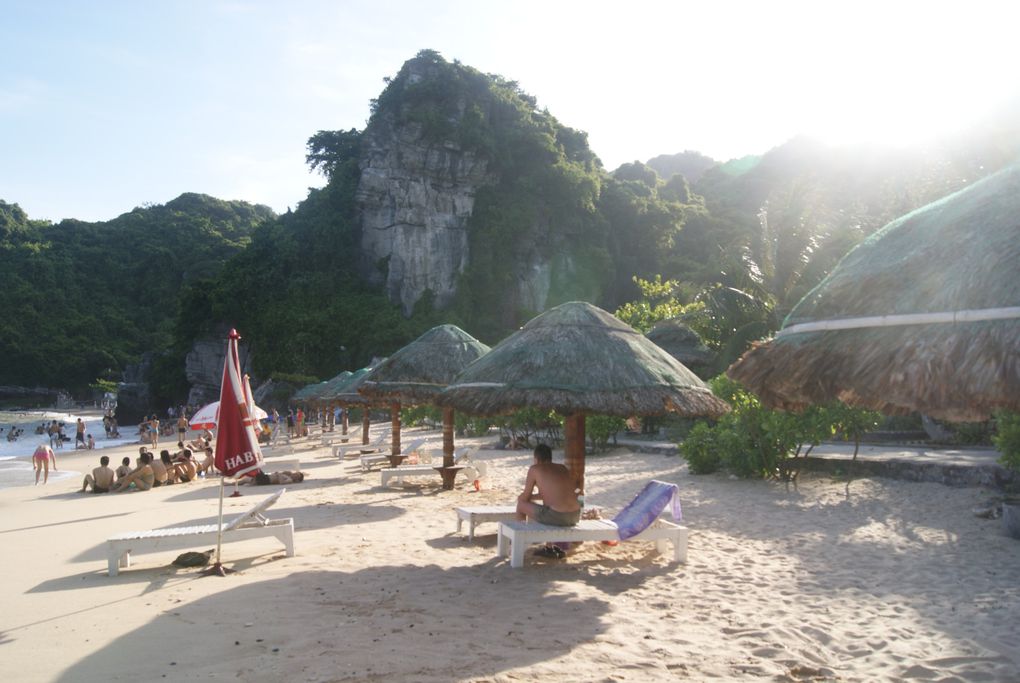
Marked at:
<point>41,459</point>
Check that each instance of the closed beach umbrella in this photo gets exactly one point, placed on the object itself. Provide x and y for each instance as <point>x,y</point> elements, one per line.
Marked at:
<point>418,372</point>
<point>577,359</point>
<point>922,316</point>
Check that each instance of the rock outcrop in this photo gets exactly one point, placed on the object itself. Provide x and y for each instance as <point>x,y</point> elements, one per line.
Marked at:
<point>415,198</point>
<point>203,366</point>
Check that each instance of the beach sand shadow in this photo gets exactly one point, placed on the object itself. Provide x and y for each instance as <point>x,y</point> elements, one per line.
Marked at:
<point>424,623</point>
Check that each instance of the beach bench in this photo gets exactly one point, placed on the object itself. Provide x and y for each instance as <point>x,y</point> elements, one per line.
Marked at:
<point>638,521</point>
<point>398,473</point>
<point>368,461</point>
<point>250,524</point>
<point>480,514</point>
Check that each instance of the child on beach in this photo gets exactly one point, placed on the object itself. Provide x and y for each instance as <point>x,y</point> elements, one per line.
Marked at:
<point>142,476</point>
<point>101,479</point>
<point>41,459</point>
<point>91,443</point>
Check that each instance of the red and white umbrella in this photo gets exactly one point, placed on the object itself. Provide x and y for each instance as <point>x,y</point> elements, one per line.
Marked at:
<point>208,416</point>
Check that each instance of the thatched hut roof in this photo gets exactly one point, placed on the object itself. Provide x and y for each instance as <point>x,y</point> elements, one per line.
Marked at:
<point>323,391</point>
<point>578,358</point>
<point>681,342</point>
<point>419,371</point>
<point>306,392</point>
<point>922,316</point>
<point>347,391</point>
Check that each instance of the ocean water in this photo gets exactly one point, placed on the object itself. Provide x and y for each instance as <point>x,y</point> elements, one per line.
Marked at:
<point>16,456</point>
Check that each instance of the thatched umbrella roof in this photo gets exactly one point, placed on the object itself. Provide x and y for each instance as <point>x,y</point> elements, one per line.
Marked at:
<point>578,358</point>
<point>681,342</point>
<point>419,371</point>
<point>306,392</point>
<point>325,390</point>
<point>922,316</point>
<point>346,391</point>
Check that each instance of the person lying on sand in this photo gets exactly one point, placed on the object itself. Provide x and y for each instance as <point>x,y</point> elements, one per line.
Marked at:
<point>142,477</point>
<point>102,478</point>
<point>555,486</point>
<point>263,479</point>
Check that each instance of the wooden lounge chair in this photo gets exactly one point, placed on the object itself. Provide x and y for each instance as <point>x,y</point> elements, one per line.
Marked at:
<point>368,461</point>
<point>639,520</point>
<point>460,457</point>
<point>251,524</point>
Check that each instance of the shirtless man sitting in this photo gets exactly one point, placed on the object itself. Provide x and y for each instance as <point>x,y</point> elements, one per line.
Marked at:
<point>101,479</point>
<point>556,488</point>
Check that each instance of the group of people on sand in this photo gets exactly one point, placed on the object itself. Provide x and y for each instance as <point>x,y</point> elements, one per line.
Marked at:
<point>149,471</point>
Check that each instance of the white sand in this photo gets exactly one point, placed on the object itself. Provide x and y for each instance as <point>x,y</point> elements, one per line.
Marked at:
<point>900,581</point>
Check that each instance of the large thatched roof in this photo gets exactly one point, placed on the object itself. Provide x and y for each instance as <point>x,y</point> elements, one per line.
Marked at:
<point>681,342</point>
<point>578,358</point>
<point>324,391</point>
<point>947,278</point>
<point>423,368</point>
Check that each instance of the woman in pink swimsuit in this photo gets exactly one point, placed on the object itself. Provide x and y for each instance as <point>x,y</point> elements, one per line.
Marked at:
<point>41,460</point>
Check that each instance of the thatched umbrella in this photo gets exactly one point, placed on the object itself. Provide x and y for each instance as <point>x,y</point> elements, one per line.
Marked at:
<point>323,394</point>
<point>923,316</point>
<point>578,359</point>
<point>419,371</point>
<point>683,343</point>
<point>346,394</point>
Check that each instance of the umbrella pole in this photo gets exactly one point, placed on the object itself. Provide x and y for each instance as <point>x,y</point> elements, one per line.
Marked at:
<point>364,426</point>
<point>343,420</point>
<point>448,437</point>
<point>574,448</point>
<point>218,569</point>
<point>395,457</point>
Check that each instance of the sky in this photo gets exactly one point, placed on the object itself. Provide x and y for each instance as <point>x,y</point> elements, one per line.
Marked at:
<point>106,106</point>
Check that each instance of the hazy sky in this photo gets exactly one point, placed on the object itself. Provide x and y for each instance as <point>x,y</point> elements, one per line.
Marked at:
<point>105,106</point>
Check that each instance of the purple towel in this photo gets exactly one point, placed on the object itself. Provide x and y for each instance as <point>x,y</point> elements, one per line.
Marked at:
<point>644,509</point>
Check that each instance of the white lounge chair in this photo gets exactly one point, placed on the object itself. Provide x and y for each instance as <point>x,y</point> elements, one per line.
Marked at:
<point>251,524</point>
<point>460,457</point>
<point>369,461</point>
<point>343,450</point>
<point>515,536</point>
<point>331,438</point>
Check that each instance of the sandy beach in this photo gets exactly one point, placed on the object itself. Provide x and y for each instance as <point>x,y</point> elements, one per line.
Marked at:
<point>898,581</point>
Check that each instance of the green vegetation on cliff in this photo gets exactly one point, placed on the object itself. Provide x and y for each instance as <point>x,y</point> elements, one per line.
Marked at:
<point>83,300</point>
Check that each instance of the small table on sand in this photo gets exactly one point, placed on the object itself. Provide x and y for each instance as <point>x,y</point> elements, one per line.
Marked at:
<point>484,513</point>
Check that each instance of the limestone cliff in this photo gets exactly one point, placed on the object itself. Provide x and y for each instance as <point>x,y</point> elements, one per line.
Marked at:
<point>203,367</point>
<point>415,197</point>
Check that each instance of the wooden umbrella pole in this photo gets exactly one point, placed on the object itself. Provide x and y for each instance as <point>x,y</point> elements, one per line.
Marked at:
<point>343,420</point>
<point>574,448</point>
<point>447,437</point>
<point>365,425</point>
<point>395,427</point>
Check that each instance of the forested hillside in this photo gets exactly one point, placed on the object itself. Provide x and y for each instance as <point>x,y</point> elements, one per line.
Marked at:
<point>728,250</point>
<point>83,300</point>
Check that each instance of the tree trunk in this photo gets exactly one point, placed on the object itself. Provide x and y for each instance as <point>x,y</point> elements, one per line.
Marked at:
<point>365,426</point>
<point>447,437</point>
<point>395,427</point>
